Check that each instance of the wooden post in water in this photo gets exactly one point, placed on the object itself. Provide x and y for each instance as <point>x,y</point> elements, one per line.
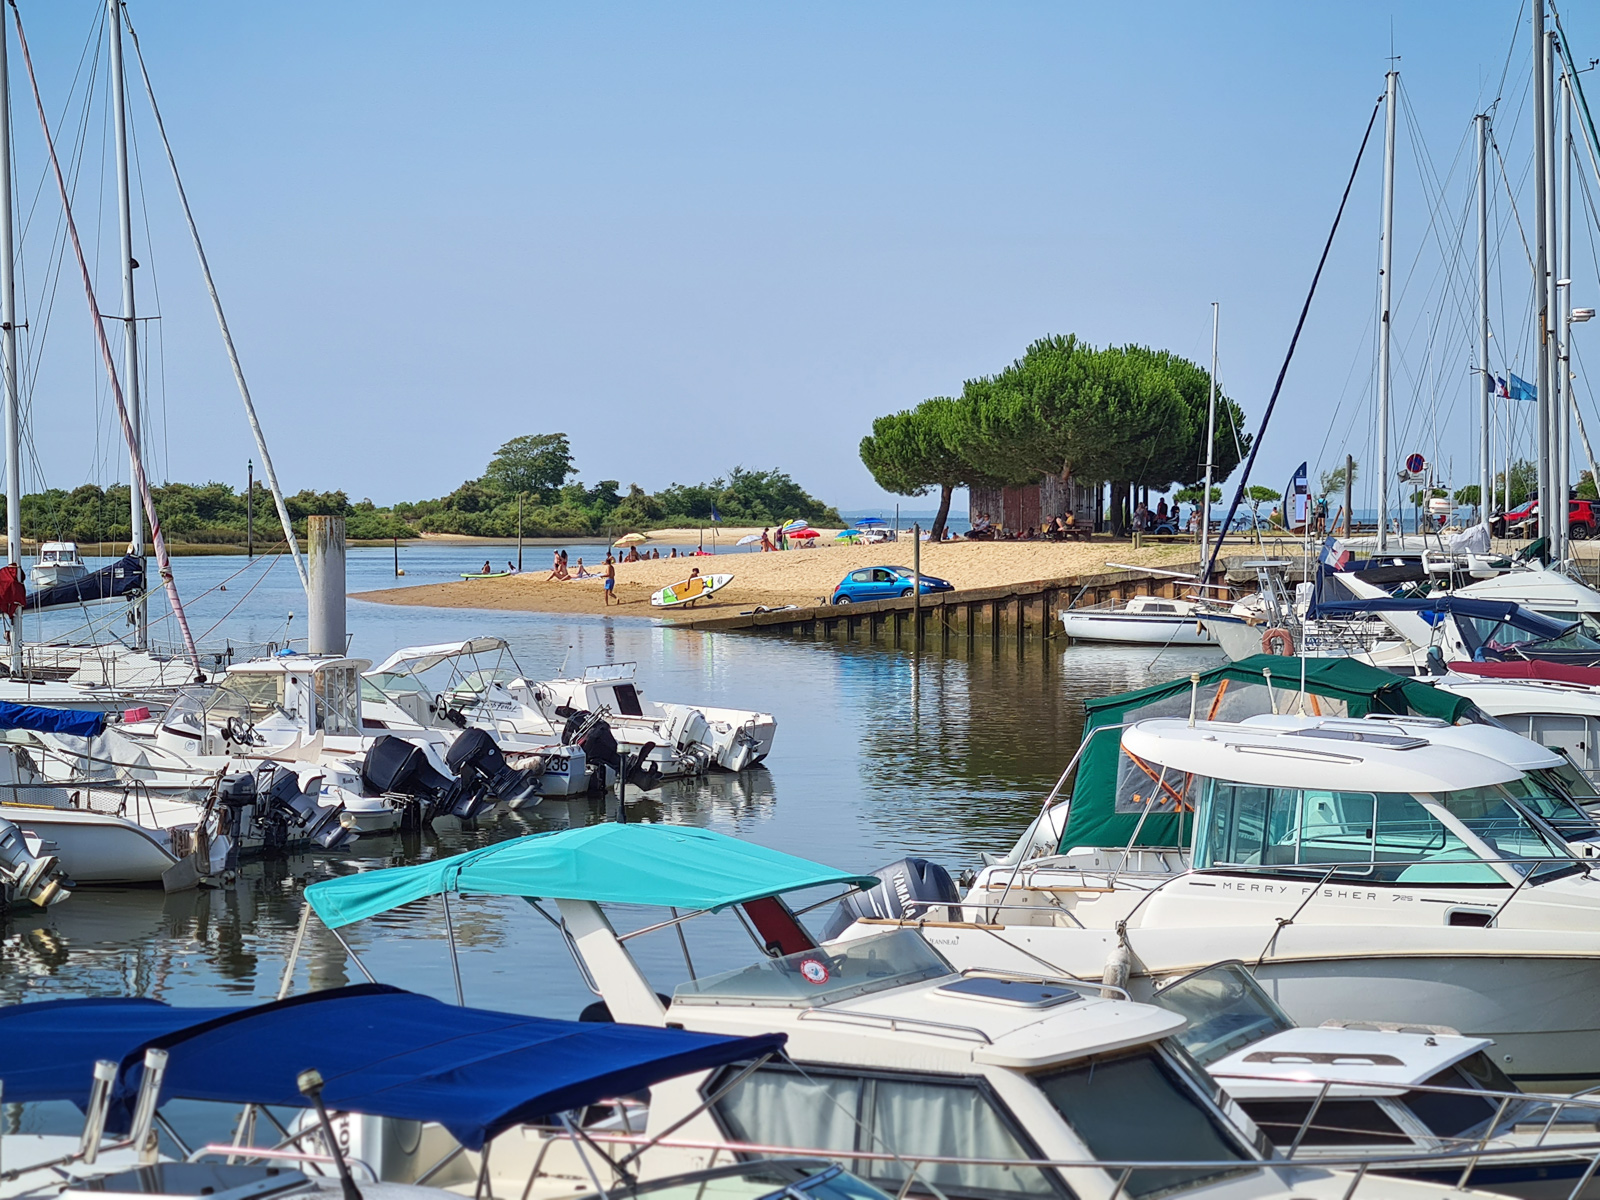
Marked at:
<point>916,585</point>
<point>519,533</point>
<point>326,616</point>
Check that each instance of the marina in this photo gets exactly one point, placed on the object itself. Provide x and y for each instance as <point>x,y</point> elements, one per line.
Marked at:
<point>1095,832</point>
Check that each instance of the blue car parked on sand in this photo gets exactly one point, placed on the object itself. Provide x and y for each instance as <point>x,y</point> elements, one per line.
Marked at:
<point>884,583</point>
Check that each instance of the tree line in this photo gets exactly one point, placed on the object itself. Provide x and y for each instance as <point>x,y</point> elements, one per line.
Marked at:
<point>538,468</point>
<point>1127,416</point>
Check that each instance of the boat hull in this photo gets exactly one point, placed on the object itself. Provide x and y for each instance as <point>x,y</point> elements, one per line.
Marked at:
<point>1134,629</point>
<point>95,848</point>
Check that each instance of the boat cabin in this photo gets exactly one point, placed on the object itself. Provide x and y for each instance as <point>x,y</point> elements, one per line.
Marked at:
<point>269,701</point>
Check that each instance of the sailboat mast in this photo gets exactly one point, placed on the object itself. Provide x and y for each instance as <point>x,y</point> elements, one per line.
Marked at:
<point>1541,265</point>
<point>8,351</point>
<point>1385,273</point>
<point>1485,466</point>
<point>1564,310</point>
<point>1211,437</point>
<point>130,320</point>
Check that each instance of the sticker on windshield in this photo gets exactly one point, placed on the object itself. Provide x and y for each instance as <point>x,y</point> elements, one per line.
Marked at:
<point>815,970</point>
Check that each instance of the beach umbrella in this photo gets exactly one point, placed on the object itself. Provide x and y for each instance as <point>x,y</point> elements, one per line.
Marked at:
<point>845,535</point>
<point>792,526</point>
<point>871,523</point>
<point>803,533</point>
<point>631,539</point>
<point>748,538</point>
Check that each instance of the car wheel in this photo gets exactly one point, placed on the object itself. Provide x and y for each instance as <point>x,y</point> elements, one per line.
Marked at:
<point>904,592</point>
<point>1579,531</point>
<point>841,599</point>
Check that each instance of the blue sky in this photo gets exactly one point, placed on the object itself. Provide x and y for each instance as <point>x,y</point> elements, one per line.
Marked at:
<point>699,235</point>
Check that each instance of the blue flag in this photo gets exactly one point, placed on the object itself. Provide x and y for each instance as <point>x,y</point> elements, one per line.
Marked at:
<point>716,517</point>
<point>1521,389</point>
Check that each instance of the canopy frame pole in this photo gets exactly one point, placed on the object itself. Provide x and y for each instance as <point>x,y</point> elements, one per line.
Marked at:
<point>572,949</point>
<point>286,980</point>
<point>744,922</point>
<point>676,920</point>
<point>455,958</point>
<point>703,1106</point>
<point>352,955</point>
<point>582,1157</point>
<point>684,943</point>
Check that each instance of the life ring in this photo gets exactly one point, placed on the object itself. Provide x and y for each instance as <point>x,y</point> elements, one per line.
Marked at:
<point>1275,637</point>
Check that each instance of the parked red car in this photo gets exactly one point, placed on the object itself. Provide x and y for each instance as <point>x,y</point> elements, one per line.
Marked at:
<point>1583,518</point>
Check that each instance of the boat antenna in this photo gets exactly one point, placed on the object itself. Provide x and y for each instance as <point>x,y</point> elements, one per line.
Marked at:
<point>141,481</point>
<point>1194,695</point>
<point>222,321</point>
<point>1305,309</point>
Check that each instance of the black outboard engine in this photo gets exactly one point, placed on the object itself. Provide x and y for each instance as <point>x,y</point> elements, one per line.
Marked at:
<point>599,744</point>
<point>278,791</point>
<point>912,889</point>
<point>236,794</point>
<point>396,767</point>
<point>483,776</point>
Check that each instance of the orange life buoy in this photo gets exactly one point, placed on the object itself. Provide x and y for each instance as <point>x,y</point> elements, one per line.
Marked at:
<point>1275,637</point>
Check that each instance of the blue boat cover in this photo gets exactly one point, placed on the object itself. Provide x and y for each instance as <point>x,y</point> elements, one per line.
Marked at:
<point>381,1051</point>
<point>1525,619</point>
<point>122,578</point>
<point>51,720</point>
<point>48,1050</point>
<point>658,865</point>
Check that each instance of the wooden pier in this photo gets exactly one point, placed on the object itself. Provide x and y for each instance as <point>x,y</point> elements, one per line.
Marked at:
<point>1014,614</point>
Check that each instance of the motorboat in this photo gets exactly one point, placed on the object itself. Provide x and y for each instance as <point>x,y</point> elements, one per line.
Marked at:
<point>58,562</point>
<point>1355,1087</point>
<point>1363,872</point>
<point>376,1056</point>
<point>299,708</point>
<point>1549,703</point>
<point>478,682</point>
<point>965,1084</point>
<point>1142,620</point>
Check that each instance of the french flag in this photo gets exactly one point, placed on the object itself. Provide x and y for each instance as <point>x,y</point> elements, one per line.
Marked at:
<point>1501,388</point>
<point>1335,554</point>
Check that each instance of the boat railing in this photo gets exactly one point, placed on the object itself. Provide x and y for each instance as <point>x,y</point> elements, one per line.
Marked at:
<point>1583,1102</point>
<point>1205,1169</point>
<point>277,1154</point>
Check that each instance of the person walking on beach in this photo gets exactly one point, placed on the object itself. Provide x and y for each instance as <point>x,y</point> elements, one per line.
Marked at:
<point>611,578</point>
<point>766,541</point>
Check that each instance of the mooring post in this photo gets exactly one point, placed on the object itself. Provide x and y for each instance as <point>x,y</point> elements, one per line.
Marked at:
<point>326,629</point>
<point>916,585</point>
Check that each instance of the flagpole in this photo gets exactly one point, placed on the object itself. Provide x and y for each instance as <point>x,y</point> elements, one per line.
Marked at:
<point>1486,473</point>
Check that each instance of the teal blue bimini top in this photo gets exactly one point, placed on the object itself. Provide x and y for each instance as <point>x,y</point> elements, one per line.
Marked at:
<point>667,866</point>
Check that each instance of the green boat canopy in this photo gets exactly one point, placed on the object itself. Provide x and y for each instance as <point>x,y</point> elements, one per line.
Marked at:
<point>1263,683</point>
<point>667,866</point>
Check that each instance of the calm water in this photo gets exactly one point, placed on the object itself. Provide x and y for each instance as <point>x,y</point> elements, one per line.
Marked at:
<point>879,753</point>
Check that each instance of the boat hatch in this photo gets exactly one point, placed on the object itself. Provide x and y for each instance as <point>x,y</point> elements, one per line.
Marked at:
<point>813,978</point>
<point>1394,741</point>
<point>606,672</point>
<point>1021,993</point>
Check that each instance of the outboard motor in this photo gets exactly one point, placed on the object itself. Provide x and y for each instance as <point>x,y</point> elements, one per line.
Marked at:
<point>236,794</point>
<point>27,877</point>
<point>483,776</point>
<point>912,889</point>
<point>396,767</point>
<point>279,792</point>
<point>590,731</point>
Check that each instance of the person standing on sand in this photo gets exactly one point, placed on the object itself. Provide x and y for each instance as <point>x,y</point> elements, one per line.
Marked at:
<point>766,542</point>
<point>611,578</point>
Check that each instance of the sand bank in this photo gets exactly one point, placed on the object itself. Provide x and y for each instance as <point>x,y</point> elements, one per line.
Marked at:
<point>786,577</point>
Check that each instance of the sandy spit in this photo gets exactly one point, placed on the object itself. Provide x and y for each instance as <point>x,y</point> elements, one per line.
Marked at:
<point>787,577</point>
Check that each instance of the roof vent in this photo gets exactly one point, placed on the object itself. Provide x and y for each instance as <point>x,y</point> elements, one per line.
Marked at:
<point>1389,741</point>
<point>1018,993</point>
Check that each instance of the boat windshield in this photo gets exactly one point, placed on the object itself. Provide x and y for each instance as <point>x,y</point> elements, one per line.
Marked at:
<point>1227,1010</point>
<point>251,695</point>
<point>1567,779</point>
<point>1491,636</point>
<point>1552,805</point>
<point>813,978</point>
<point>1135,1106</point>
<point>1381,837</point>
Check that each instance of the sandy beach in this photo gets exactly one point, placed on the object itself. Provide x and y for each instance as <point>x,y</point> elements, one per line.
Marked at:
<point>786,577</point>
